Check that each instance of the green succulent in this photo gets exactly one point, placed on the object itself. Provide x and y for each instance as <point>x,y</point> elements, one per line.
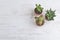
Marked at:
<point>50,14</point>
<point>39,20</point>
<point>39,8</point>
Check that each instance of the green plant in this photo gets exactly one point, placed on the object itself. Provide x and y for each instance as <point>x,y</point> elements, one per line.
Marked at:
<point>50,15</point>
<point>38,9</point>
<point>39,20</point>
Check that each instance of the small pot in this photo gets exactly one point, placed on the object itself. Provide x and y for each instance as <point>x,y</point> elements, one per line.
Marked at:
<point>46,17</point>
<point>37,12</point>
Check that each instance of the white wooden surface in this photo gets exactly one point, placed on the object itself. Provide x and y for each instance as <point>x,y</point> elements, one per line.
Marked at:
<point>16,20</point>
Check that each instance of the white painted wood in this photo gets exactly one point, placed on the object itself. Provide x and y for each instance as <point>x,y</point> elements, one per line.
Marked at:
<point>16,20</point>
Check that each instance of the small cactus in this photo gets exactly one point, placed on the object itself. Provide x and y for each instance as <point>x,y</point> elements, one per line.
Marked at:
<point>39,20</point>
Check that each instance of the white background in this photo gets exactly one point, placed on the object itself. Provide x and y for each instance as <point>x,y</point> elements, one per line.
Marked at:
<point>16,20</point>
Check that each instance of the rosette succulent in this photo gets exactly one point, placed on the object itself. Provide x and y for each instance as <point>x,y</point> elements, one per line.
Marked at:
<point>50,14</point>
<point>38,9</point>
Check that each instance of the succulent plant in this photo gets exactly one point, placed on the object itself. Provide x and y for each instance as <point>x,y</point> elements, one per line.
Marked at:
<point>50,14</point>
<point>38,9</point>
<point>39,20</point>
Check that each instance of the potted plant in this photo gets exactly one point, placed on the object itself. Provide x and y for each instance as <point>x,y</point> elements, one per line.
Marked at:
<point>39,20</point>
<point>50,15</point>
<point>38,9</point>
